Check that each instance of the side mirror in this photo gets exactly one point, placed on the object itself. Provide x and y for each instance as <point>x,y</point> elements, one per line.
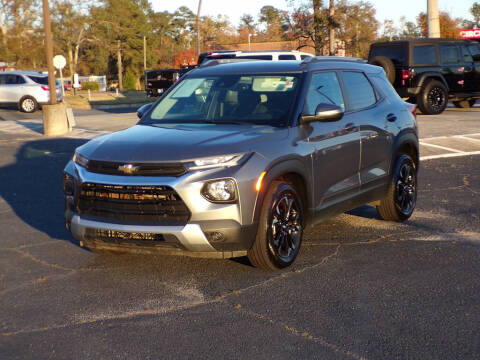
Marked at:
<point>324,113</point>
<point>142,110</point>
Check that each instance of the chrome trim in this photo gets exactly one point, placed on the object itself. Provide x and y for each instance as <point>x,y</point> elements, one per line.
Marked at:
<point>190,236</point>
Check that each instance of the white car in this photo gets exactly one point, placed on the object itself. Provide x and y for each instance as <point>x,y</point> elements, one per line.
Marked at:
<point>274,55</point>
<point>26,89</point>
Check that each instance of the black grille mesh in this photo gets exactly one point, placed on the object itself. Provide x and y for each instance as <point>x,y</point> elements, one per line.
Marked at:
<point>138,205</point>
<point>141,169</point>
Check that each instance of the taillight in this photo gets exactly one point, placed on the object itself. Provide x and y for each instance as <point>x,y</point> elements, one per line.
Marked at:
<point>407,74</point>
<point>46,88</point>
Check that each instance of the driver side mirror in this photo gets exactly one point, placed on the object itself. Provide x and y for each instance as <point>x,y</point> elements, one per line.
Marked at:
<point>142,110</point>
<point>324,113</point>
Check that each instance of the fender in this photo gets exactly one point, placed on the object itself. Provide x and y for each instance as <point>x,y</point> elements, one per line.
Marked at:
<point>407,136</point>
<point>431,75</point>
<point>301,167</point>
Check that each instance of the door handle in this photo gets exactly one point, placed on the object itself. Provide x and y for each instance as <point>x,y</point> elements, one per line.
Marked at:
<point>391,117</point>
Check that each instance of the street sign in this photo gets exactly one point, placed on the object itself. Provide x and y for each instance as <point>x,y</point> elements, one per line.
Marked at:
<point>470,33</point>
<point>59,62</point>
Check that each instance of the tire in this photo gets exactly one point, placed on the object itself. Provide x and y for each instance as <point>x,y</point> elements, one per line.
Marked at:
<point>28,104</point>
<point>280,230</point>
<point>433,98</point>
<point>386,64</point>
<point>464,104</point>
<point>399,203</point>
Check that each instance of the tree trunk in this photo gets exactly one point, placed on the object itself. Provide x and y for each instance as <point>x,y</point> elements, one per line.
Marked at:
<point>119,64</point>
<point>70,64</point>
<point>3,30</point>
<point>331,28</point>
<point>317,27</point>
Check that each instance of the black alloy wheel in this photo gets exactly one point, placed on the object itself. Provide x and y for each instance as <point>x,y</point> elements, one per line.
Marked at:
<point>436,99</point>
<point>401,198</point>
<point>280,228</point>
<point>285,227</point>
<point>433,98</point>
<point>406,189</point>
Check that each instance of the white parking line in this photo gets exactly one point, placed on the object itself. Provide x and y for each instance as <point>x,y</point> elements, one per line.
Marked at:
<point>441,156</point>
<point>441,147</point>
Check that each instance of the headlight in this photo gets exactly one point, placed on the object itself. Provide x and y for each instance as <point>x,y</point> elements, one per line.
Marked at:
<point>216,161</point>
<point>80,159</point>
<point>223,190</point>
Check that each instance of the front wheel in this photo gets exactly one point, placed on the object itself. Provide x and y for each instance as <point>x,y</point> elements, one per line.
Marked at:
<point>433,98</point>
<point>280,230</point>
<point>401,197</point>
<point>28,104</point>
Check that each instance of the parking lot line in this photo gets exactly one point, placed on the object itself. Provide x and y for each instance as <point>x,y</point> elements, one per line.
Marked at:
<point>450,155</point>
<point>441,147</point>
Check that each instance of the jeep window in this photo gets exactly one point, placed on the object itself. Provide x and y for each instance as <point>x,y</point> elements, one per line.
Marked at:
<point>286,57</point>
<point>358,90</point>
<point>396,53</point>
<point>424,55</point>
<point>466,56</point>
<point>475,51</point>
<point>448,54</point>
<point>324,89</point>
<point>253,99</point>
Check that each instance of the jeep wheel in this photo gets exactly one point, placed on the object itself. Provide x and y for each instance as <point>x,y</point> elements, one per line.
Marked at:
<point>400,201</point>
<point>433,98</point>
<point>28,104</point>
<point>386,64</point>
<point>464,104</point>
<point>280,230</point>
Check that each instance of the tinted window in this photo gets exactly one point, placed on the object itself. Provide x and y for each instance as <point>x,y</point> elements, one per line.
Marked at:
<point>286,57</point>
<point>42,80</point>
<point>257,57</point>
<point>448,54</point>
<point>303,57</point>
<point>324,89</point>
<point>384,86</point>
<point>466,54</point>
<point>475,51</point>
<point>2,79</point>
<point>395,53</point>
<point>424,55</point>
<point>12,80</point>
<point>359,90</point>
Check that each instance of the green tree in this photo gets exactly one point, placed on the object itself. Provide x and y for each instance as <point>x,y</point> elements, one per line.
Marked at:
<point>475,10</point>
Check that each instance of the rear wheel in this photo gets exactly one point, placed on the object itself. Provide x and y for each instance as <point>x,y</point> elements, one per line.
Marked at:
<point>280,230</point>
<point>28,104</point>
<point>464,104</point>
<point>401,198</point>
<point>433,98</point>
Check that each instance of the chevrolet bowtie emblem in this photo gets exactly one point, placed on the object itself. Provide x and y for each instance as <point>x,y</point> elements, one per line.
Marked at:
<point>128,169</point>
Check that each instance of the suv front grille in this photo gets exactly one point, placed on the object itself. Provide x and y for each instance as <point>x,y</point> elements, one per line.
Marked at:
<point>141,169</point>
<point>127,204</point>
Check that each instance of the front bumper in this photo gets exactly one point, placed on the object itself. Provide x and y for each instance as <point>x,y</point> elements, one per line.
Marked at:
<point>213,229</point>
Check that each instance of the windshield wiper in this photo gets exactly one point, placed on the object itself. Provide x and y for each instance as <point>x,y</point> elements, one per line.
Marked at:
<point>229,122</point>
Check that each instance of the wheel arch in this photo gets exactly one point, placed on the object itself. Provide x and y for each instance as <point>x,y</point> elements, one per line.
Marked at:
<point>407,143</point>
<point>425,77</point>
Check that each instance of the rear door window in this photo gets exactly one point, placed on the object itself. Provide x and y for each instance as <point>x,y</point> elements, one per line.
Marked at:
<point>448,54</point>
<point>358,89</point>
<point>13,80</point>
<point>424,55</point>
<point>286,57</point>
<point>475,51</point>
<point>324,89</point>
<point>466,56</point>
<point>42,80</point>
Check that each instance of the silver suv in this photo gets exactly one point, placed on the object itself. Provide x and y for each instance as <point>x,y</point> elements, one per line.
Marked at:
<point>26,89</point>
<point>239,158</point>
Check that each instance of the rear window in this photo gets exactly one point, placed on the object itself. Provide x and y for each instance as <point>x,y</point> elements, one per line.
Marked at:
<point>42,80</point>
<point>424,55</point>
<point>257,57</point>
<point>359,90</point>
<point>396,53</point>
<point>286,57</point>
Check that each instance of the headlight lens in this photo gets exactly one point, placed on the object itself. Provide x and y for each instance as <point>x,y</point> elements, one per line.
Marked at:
<point>223,190</point>
<point>215,161</point>
<point>80,159</point>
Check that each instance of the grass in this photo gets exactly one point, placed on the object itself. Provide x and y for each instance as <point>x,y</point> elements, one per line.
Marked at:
<point>81,101</point>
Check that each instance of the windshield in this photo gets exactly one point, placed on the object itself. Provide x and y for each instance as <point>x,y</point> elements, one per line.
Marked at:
<point>230,99</point>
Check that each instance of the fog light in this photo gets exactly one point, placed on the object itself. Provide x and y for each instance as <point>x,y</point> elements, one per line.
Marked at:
<point>223,190</point>
<point>214,236</point>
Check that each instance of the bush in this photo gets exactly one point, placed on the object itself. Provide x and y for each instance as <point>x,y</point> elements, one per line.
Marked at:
<point>91,85</point>
<point>129,81</point>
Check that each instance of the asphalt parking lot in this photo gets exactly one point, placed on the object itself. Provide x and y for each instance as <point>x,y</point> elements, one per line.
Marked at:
<point>361,288</point>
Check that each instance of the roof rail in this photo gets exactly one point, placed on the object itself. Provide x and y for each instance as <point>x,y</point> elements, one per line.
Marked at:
<point>316,59</point>
<point>214,62</point>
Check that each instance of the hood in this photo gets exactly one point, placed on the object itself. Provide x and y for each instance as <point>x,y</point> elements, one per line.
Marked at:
<point>177,142</point>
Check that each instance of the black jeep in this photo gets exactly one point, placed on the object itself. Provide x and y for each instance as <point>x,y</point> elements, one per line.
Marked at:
<point>429,72</point>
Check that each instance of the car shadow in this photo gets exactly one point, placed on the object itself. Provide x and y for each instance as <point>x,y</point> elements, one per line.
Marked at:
<point>365,211</point>
<point>32,185</point>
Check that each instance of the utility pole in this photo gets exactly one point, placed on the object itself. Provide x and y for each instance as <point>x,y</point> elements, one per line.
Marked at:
<point>433,22</point>
<point>198,27</point>
<point>119,65</point>
<point>331,34</point>
<point>145,53</point>
<point>317,37</point>
<point>49,49</point>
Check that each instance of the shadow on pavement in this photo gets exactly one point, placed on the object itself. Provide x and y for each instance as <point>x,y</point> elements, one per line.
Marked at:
<point>32,185</point>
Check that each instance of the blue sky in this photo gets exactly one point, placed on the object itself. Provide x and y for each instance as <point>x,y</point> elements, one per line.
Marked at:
<point>386,9</point>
